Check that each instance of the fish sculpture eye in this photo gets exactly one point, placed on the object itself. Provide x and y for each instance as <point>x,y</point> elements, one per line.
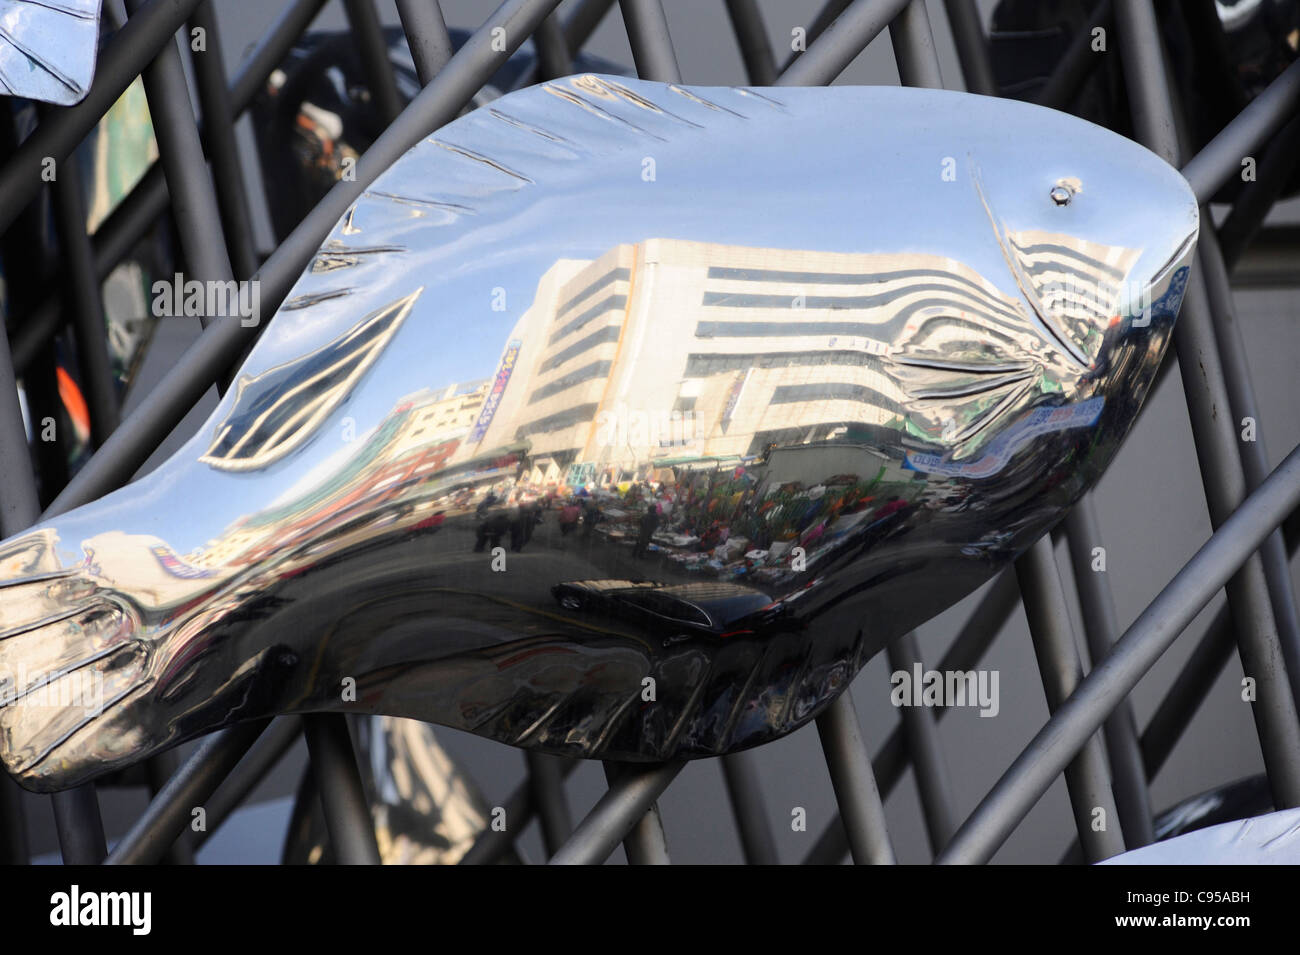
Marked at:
<point>619,420</point>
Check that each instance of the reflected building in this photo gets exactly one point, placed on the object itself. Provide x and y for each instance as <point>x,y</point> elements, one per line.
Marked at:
<point>555,368</point>
<point>454,409</point>
<point>667,352</point>
<point>670,355</point>
<point>1077,285</point>
<point>445,418</point>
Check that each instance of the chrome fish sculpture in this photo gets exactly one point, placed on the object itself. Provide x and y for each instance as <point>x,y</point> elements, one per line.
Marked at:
<point>619,420</point>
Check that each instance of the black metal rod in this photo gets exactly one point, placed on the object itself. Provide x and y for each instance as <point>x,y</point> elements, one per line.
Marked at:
<point>751,36</point>
<point>76,811</point>
<point>616,813</point>
<point>844,39</point>
<point>964,653</point>
<point>925,752</point>
<point>1220,159</point>
<point>854,783</point>
<point>577,22</point>
<point>1272,174</point>
<point>1254,453</point>
<point>259,760</point>
<point>1185,695</point>
<point>19,505</point>
<point>644,843</point>
<point>553,58</point>
<point>124,57</point>
<point>51,453</point>
<point>652,47</point>
<point>81,294</point>
<point>172,809</point>
<point>1140,47</point>
<point>222,146</point>
<point>745,790</point>
<point>343,799</point>
<point>1215,435</point>
<point>141,207</point>
<point>1078,61</point>
<point>1086,777</point>
<point>520,808</point>
<point>1269,261</point>
<point>194,203</point>
<point>1128,786</point>
<point>208,358</point>
<point>580,22</point>
<point>158,769</point>
<point>1097,606</point>
<point>827,15</point>
<point>270,51</point>
<point>375,63</point>
<point>80,828</point>
<point>913,43</point>
<point>546,785</point>
<point>426,35</point>
<point>14,849</point>
<point>972,46</point>
<point>1070,727</point>
<point>1249,602</point>
<point>1189,690</point>
<point>91,344</point>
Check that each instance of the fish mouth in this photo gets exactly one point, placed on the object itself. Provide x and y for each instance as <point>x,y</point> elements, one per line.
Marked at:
<point>1027,289</point>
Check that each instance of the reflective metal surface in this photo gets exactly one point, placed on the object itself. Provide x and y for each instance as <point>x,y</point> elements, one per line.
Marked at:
<point>1273,839</point>
<point>426,810</point>
<point>1232,801</point>
<point>316,114</point>
<point>48,48</point>
<point>620,420</point>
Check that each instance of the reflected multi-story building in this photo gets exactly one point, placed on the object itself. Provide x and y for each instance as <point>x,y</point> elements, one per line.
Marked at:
<point>667,352</point>
<point>454,409</point>
<point>555,366</point>
<point>670,353</point>
<point>445,418</point>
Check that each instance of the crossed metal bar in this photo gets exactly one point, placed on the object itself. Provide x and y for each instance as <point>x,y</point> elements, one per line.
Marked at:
<point>1246,553</point>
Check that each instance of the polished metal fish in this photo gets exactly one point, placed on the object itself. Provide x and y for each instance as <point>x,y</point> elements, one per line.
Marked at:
<point>620,420</point>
